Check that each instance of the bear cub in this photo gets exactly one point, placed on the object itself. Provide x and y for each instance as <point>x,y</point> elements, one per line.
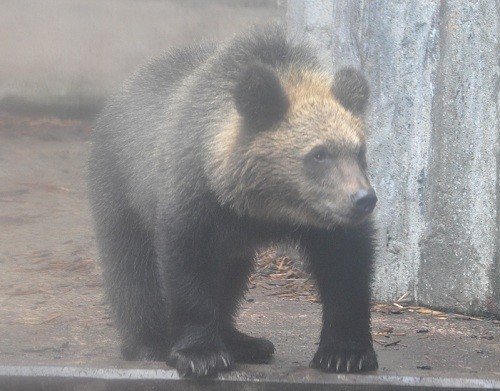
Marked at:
<point>209,152</point>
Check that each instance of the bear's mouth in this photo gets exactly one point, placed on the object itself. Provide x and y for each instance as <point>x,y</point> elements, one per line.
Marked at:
<point>356,218</point>
<point>331,217</point>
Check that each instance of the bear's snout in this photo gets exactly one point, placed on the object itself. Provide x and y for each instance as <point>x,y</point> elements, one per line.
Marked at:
<point>364,200</point>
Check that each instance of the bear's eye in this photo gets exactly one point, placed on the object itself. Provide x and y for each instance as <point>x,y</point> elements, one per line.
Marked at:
<point>320,153</point>
<point>318,161</point>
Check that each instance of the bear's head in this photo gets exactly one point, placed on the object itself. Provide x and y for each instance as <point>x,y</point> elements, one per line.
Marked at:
<point>295,148</point>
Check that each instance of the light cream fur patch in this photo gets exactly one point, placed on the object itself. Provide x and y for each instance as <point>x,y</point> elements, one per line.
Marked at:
<point>311,100</point>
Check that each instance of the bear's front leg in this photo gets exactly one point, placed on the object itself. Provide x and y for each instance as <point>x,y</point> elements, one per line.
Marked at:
<point>190,287</point>
<point>341,263</point>
<point>198,351</point>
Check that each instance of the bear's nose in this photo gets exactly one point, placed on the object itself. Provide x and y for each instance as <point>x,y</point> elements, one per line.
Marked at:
<point>364,200</point>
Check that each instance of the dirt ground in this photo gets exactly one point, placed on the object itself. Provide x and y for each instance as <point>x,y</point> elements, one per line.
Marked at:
<point>52,308</point>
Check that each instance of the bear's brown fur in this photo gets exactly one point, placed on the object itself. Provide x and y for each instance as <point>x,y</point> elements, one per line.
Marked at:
<point>209,152</point>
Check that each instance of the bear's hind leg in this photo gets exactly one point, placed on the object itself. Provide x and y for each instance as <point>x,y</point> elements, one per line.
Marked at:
<point>128,260</point>
<point>247,349</point>
<point>244,348</point>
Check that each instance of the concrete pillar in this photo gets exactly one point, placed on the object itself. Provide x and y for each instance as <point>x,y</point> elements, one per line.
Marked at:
<point>434,152</point>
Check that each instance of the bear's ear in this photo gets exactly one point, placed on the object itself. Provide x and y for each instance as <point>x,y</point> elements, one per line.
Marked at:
<point>259,97</point>
<point>351,89</point>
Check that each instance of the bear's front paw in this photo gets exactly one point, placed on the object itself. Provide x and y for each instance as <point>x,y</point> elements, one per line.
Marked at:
<point>345,360</point>
<point>248,349</point>
<point>200,363</point>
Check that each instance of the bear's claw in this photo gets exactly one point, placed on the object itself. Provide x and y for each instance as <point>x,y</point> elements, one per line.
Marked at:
<point>344,360</point>
<point>200,364</point>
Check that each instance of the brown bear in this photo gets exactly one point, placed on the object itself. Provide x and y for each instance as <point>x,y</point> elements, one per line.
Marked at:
<point>209,152</point>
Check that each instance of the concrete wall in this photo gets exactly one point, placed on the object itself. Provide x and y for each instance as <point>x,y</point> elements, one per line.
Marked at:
<point>68,55</point>
<point>434,72</point>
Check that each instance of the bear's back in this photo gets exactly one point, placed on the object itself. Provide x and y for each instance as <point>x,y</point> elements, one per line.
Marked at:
<point>124,142</point>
